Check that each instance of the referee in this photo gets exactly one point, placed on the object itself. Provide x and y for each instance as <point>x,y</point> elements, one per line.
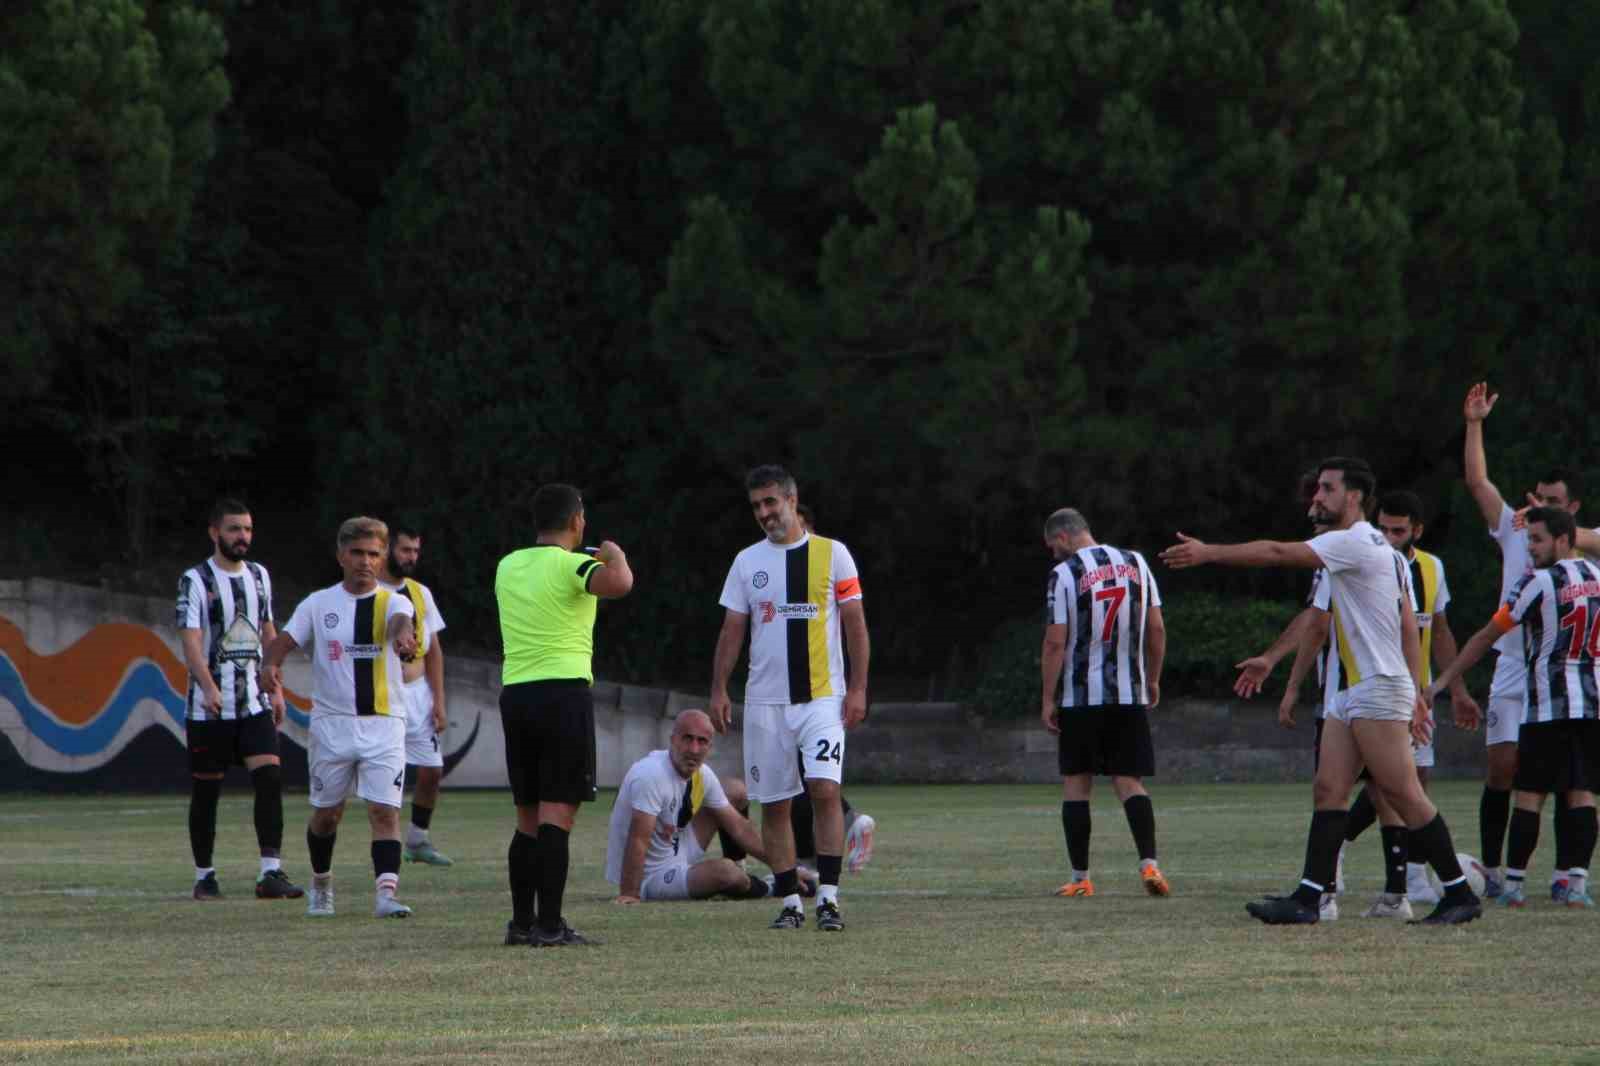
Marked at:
<point>547,596</point>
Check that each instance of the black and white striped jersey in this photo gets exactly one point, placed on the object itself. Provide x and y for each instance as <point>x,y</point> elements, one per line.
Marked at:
<point>1103,596</point>
<point>230,611</point>
<point>1558,608</point>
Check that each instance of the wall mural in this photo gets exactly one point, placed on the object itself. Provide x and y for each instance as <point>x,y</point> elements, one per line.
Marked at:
<point>106,714</point>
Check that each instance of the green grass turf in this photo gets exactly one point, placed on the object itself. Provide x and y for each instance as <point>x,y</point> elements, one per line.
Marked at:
<point>955,950</point>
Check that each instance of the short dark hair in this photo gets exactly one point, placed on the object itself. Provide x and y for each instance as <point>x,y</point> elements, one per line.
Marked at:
<point>227,505</point>
<point>1403,503</point>
<point>1567,477</point>
<point>554,507</point>
<point>770,474</point>
<point>405,528</point>
<point>1308,486</point>
<point>807,515</point>
<point>1558,520</point>
<point>1357,474</point>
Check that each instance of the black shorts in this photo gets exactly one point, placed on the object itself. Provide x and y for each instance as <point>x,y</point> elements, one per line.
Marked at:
<point>1112,740</point>
<point>216,743</point>
<point>549,741</point>
<point>1558,756</point>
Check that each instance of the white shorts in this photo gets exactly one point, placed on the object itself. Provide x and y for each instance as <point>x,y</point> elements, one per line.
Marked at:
<point>1377,699</point>
<point>1502,719</point>
<point>368,752</point>
<point>670,880</point>
<point>1422,754</point>
<point>422,743</point>
<point>774,733</point>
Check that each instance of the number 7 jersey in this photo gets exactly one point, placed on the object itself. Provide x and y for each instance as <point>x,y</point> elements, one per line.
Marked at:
<point>1103,596</point>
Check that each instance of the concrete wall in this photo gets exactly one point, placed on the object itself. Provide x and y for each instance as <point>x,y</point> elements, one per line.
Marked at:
<point>91,696</point>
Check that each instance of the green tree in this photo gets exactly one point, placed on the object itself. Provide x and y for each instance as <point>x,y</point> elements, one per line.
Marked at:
<point>106,118</point>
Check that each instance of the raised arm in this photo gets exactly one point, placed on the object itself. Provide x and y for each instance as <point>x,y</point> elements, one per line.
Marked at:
<point>613,580</point>
<point>1490,503</point>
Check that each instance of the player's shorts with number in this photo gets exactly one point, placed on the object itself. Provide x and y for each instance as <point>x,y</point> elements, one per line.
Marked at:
<point>773,732</point>
<point>365,751</point>
<point>670,880</point>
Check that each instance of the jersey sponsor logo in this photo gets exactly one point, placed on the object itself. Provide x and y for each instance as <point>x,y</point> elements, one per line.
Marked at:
<point>755,773</point>
<point>335,651</point>
<point>1109,572</point>
<point>240,643</point>
<point>771,612</point>
<point>330,620</point>
<point>760,580</point>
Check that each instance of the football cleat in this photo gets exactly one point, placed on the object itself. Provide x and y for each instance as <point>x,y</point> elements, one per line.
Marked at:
<point>516,936</point>
<point>1389,906</point>
<point>1494,883</point>
<point>858,843</point>
<point>1281,910</point>
<point>564,937</point>
<point>1512,895</point>
<point>789,918</point>
<point>1154,883</point>
<point>1580,900</point>
<point>1558,890</point>
<point>425,852</point>
<point>319,903</point>
<point>207,888</point>
<point>275,884</point>
<point>829,920</point>
<point>386,906</point>
<point>1077,888</point>
<point>1457,912</point>
<point>1328,909</point>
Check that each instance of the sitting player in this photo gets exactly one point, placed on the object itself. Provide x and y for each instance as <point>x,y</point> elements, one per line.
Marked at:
<point>669,805</point>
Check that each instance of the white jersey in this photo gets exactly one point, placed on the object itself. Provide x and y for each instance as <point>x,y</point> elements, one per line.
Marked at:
<point>1558,610</point>
<point>231,611</point>
<point>426,621</point>
<point>354,667</point>
<point>1515,564</point>
<point>1321,597</point>
<point>792,594</point>
<point>1367,580</point>
<point>1103,596</point>
<point>654,787</point>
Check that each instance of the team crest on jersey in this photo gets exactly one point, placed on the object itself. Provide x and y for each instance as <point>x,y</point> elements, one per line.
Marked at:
<point>755,773</point>
<point>670,875</point>
<point>760,580</point>
<point>330,620</point>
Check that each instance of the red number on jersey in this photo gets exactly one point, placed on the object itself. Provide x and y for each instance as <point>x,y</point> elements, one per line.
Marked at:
<point>1577,620</point>
<point>1114,595</point>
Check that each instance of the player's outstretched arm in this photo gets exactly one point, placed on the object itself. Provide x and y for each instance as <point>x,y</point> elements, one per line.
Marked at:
<point>729,641</point>
<point>1467,658</point>
<point>1475,465</point>
<point>1256,553</point>
<point>1254,671</point>
<point>1052,655</point>
<point>1588,542</point>
<point>640,826</point>
<point>1464,709</point>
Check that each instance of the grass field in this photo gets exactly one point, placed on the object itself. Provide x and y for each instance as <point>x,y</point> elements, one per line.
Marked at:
<point>955,950</point>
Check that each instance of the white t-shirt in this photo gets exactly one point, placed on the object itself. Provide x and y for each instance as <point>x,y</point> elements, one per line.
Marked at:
<point>652,786</point>
<point>1367,580</point>
<point>1515,564</point>
<point>792,594</point>
<point>354,667</point>
<point>432,620</point>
